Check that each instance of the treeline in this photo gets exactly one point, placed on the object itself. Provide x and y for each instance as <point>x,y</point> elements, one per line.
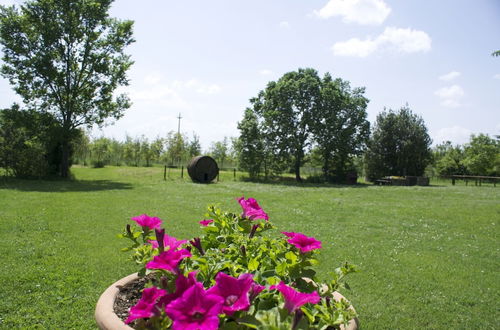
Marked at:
<point>303,120</point>
<point>172,150</point>
<point>299,121</point>
<point>480,156</point>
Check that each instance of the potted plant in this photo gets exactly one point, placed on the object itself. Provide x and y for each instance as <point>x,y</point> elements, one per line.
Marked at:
<point>235,276</point>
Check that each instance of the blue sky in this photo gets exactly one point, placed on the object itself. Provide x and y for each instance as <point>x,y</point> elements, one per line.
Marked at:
<point>206,59</point>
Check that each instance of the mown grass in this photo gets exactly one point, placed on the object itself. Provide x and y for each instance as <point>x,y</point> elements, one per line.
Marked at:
<point>428,257</point>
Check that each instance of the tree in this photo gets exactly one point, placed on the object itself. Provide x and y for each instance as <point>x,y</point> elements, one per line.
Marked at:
<point>250,144</point>
<point>399,145</point>
<point>28,142</point>
<point>449,159</point>
<point>157,149</point>
<point>132,151</point>
<point>482,155</point>
<point>101,152</point>
<point>194,147</point>
<point>496,53</point>
<point>340,127</point>
<point>66,57</point>
<point>287,107</point>
<point>146,152</point>
<point>219,151</point>
<point>176,148</point>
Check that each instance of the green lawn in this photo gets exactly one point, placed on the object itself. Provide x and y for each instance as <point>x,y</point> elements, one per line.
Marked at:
<point>429,257</point>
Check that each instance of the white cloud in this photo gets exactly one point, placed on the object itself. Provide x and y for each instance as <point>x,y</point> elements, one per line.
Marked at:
<point>450,92</point>
<point>450,76</point>
<point>284,25</point>
<point>497,76</point>
<point>172,94</point>
<point>356,11</point>
<point>450,96</point>
<point>392,39</point>
<point>265,72</point>
<point>455,134</point>
<point>152,79</point>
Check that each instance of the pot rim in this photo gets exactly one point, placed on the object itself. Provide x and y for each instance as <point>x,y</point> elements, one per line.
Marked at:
<point>107,319</point>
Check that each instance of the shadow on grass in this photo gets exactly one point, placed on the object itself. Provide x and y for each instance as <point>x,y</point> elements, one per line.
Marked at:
<point>291,182</point>
<point>61,185</point>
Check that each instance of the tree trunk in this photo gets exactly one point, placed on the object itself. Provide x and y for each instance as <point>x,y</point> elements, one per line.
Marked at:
<point>65,159</point>
<point>297,170</point>
<point>326,165</point>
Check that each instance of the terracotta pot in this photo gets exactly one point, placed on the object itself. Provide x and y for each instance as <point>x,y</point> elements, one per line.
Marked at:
<point>104,312</point>
<point>107,319</point>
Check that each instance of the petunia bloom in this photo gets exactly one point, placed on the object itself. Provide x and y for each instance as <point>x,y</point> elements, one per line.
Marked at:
<point>251,209</point>
<point>205,223</point>
<point>235,291</point>
<point>182,283</point>
<point>195,309</point>
<point>302,242</point>
<point>172,242</point>
<point>294,299</point>
<point>146,306</point>
<point>168,260</point>
<point>146,221</point>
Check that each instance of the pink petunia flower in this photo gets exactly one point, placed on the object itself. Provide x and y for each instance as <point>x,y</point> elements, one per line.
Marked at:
<point>205,223</point>
<point>170,241</point>
<point>195,309</point>
<point>294,299</point>
<point>146,306</point>
<point>302,242</point>
<point>235,291</point>
<point>251,209</point>
<point>146,221</point>
<point>168,260</point>
<point>182,283</point>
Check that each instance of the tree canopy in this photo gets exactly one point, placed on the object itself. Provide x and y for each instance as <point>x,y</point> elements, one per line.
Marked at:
<point>286,107</point>
<point>298,112</point>
<point>399,145</point>
<point>66,58</point>
<point>340,127</point>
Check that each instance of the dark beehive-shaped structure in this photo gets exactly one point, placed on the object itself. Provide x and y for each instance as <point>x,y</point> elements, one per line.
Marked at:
<point>203,169</point>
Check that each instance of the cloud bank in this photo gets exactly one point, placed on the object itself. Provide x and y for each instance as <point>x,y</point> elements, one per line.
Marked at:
<point>392,39</point>
<point>364,12</point>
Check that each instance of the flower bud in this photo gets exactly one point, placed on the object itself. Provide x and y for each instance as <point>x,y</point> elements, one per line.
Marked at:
<point>160,236</point>
<point>254,230</point>
<point>196,242</point>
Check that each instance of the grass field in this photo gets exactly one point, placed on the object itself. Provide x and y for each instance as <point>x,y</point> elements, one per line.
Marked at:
<point>429,257</point>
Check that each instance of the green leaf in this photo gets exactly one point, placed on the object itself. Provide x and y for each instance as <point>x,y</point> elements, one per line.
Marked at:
<point>253,264</point>
<point>281,268</point>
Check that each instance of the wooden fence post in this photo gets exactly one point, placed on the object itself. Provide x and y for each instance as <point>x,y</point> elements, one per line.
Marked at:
<point>165,173</point>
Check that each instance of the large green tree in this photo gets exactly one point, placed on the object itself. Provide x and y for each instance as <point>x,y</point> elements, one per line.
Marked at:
<point>66,57</point>
<point>399,145</point>
<point>286,107</point>
<point>340,127</point>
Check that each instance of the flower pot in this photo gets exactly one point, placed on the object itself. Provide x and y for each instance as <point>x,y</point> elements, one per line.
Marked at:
<point>104,312</point>
<point>107,319</point>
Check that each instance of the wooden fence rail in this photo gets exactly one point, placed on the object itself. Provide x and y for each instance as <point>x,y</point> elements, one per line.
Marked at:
<point>478,180</point>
